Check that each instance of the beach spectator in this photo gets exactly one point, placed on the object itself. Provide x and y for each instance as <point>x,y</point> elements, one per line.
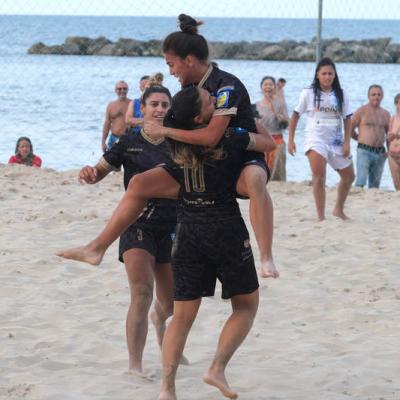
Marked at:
<point>372,124</point>
<point>394,144</point>
<point>274,117</point>
<point>280,90</point>
<point>134,117</point>
<point>115,116</point>
<point>24,153</point>
<point>327,108</point>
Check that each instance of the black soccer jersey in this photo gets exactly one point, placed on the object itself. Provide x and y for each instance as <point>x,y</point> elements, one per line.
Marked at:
<point>231,96</point>
<point>138,153</point>
<point>208,192</point>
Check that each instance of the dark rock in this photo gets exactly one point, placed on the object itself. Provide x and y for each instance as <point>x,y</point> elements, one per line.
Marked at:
<point>362,51</point>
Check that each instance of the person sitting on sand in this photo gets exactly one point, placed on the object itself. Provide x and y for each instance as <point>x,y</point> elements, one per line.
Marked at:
<point>145,247</point>
<point>394,144</point>
<point>212,240</point>
<point>24,154</point>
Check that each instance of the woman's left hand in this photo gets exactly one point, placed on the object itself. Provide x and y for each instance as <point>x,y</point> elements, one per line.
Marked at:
<point>154,130</point>
<point>346,149</point>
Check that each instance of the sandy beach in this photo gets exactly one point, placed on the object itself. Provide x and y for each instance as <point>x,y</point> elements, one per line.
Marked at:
<point>327,329</point>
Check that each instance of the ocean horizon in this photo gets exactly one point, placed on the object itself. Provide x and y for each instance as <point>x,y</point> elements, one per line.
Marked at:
<point>59,101</point>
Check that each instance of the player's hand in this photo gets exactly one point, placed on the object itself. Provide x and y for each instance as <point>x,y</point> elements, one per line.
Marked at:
<point>154,130</point>
<point>346,149</point>
<point>87,174</point>
<point>104,146</point>
<point>292,148</point>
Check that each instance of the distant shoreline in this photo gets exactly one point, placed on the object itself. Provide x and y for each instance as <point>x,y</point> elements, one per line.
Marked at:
<point>374,51</point>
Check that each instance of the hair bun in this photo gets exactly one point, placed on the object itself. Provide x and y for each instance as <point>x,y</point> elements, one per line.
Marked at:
<point>156,80</point>
<point>187,24</point>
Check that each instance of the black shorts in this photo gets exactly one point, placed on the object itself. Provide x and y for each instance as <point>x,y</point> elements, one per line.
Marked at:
<point>254,158</point>
<point>204,252</point>
<point>156,242</point>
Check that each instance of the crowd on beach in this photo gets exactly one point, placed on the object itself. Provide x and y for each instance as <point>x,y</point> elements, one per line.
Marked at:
<point>185,160</point>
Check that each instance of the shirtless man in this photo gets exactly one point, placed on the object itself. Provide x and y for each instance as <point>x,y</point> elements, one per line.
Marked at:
<point>372,122</point>
<point>115,116</point>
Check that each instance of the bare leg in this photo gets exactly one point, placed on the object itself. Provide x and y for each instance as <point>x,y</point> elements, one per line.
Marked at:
<point>252,183</point>
<point>139,268</point>
<point>155,183</point>
<point>318,169</point>
<point>235,330</point>
<point>164,303</point>
<point>174,342</point>
<point>346,179</point>
<point>395,171</point>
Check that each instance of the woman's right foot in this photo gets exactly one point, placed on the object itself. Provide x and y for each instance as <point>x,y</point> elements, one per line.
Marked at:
<point>88,254</point>
<point>219,381</point>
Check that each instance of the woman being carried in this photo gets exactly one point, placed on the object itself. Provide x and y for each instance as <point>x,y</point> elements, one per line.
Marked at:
<point>212,240</point>
<point>187,56</point>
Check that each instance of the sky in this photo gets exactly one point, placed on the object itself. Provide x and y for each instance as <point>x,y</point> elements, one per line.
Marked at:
<point>364,9</point>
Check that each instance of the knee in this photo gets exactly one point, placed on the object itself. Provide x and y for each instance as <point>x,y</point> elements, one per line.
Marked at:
<point>141,297</point>
<point>255,180</point>
<point>349,178</point>
<point>319,179</point>
<point>136,185</point>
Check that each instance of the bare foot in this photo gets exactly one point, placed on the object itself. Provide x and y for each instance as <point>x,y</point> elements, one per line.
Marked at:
<point>148,376</point>
<point>88,254</point>
<point>219,381</point>
<point>339,214</point>
<point>167,395</point>
<point>268,269</point>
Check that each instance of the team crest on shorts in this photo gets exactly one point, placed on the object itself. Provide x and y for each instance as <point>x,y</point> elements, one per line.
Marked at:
<point>246,243</point>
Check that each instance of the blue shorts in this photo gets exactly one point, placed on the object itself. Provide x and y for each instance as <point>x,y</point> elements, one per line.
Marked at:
<point>370,166</point>
<point>112,139</point>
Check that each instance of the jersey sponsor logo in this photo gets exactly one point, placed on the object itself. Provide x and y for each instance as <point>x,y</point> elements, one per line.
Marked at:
<point>222,99</point>
<point>134,149</point>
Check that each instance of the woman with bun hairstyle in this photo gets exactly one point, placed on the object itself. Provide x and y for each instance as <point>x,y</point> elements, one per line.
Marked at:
<point>187,56</point>
<point>211,242</point>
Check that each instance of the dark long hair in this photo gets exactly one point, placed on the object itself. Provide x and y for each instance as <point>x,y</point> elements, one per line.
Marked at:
<point>185,106</point>
<point>28,160</point>
<point>187,40</point>
<point>337,89</point>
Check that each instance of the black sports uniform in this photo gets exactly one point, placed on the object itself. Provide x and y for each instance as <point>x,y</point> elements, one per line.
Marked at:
<point>233,99</point>
<point>211,238</point>
<point>155,229</point>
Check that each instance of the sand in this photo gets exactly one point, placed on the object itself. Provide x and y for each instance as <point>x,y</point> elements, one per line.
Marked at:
<point>327,329</point>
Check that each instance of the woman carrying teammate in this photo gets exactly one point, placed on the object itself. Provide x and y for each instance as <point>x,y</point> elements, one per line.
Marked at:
<point>211,239</point>
<point>327,108</point>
